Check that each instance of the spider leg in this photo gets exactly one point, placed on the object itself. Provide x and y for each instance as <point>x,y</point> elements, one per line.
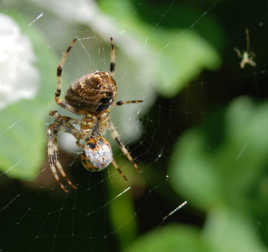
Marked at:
<point>52,156</point>
<point>63,174</point>
<point>238,52</point>
<point>54,172</point>
<point>252,63</point>
<point>66,123</point>
<point>116,137</point>
<point>119,170</point>
<point>112,63</point>
<point>58,100</point>
<point>247,40</point>
<point>119,103</point>
<point>55,166</point>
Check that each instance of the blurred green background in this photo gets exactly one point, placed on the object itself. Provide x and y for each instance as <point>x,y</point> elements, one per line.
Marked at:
<point>200,136</point>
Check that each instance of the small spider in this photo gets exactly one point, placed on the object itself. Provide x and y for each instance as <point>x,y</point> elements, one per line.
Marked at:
<point>91,97</point>
<point>247,56</point>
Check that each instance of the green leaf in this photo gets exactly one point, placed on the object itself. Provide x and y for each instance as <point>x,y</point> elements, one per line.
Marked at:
<point>22,130</point>
<point>176,54</point>
<point>230,231</point>
<point>170,238</point>
<point>184,57</point>
<point>218,163</point>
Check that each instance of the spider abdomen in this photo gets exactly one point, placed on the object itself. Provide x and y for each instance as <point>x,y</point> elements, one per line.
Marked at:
<point>97,154</point>
<point>93,92</point>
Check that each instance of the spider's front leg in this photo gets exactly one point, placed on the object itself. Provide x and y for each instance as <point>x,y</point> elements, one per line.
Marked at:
<point>52,133</point>
<point>58,100</point>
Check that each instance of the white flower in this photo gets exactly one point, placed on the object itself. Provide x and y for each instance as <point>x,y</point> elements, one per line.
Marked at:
<point>19,78</point>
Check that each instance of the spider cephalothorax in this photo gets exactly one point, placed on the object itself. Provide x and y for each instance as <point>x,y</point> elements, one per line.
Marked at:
<point>93,92</point>
<point>91,96</point>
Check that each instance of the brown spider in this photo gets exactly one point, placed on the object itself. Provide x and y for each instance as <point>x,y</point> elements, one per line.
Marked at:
<point>91,97</point>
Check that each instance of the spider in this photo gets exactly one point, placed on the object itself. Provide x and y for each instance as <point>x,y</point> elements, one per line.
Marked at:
<point>247,56</point>
<point>91,97</point>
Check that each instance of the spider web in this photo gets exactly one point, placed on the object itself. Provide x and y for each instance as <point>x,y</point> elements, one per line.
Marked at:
<point>53,221</point>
